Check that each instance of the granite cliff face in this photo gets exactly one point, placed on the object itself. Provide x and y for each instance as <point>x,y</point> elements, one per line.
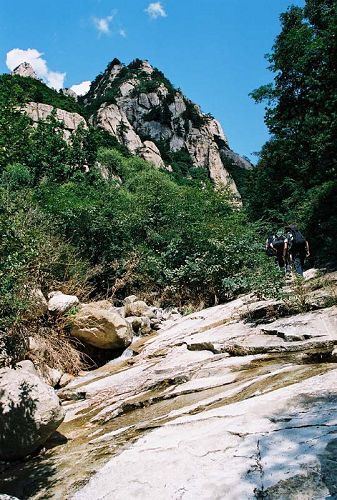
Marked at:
<point>141,108</point>
<point>70,121</point>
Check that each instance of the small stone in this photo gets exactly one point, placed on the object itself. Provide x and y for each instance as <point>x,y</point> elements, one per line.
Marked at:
<point>59,303</point>
<point>66,379</point>
<point>130,299</point>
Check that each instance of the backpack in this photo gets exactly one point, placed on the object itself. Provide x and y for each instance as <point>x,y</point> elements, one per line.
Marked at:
<point>278,242</point>
<point>275,242</point>
<point>296,241</point>
<point>269,251</point>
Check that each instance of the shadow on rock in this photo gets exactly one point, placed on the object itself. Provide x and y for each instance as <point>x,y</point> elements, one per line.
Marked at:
<point>29,413</point>
<point>298,458</point>
<point>17,423</point>
<point>25,479</point>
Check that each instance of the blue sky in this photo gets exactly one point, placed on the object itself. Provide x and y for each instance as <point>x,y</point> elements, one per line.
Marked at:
<point>212,49</point>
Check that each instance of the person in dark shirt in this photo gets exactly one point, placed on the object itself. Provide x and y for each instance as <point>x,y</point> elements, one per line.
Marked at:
<point>296,249</point>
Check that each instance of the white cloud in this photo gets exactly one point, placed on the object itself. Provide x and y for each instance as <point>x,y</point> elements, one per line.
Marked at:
<point>155,10</point>
<point>103,24</point>
<point>81,88</point>
<point>55,79</point>
<point>32,56</point>
<point>122,32</point>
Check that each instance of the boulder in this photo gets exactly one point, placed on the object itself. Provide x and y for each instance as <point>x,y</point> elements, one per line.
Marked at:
<point>140,324</point>
<point>151,153</point>
<point>52,376</point>
<point>135,322</point>
<point>130,299</point>
<point>38,306</point>
<point>102,304</point>
<point>29,412</point>
<point>101,328</point>
<point>311,274</point>
<point>28,366</point>
<point>59,303</point>
<point>319,299</point>
<point>139,308</point>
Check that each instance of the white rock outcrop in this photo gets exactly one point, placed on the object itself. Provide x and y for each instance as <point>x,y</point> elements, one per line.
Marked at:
<point>59,303</point>
<point>69,121</point>
<point>29,412</point>
<point>112,119</point>
<point>163,115</point>
<point>25,69</point>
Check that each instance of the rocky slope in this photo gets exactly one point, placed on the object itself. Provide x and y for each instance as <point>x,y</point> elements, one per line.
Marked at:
<point>141,108</point>
<point>235,401</point>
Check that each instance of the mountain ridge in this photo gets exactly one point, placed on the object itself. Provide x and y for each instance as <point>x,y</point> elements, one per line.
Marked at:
<point>151,109</point>
<point>143,111</point>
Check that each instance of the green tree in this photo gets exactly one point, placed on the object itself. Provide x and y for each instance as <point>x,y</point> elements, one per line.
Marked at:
<point>301,115</point>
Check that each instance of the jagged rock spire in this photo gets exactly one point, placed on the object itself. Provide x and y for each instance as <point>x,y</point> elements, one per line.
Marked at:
<point>25,69</point>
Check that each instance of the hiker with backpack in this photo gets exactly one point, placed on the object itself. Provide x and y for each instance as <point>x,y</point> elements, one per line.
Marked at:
<point>296,249</point>
<point>275,248</point>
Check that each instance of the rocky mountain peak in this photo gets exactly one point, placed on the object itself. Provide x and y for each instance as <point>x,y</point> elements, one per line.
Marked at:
<point>25,69</point>
<point>137,104</point>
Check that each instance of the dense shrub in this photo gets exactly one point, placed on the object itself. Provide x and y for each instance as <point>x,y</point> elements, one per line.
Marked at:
<point>189,241</point>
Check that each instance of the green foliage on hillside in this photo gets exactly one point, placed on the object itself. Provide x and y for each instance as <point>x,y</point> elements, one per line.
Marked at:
<point>192,114</point>
<point>29,89</point>
<point>184,243</point>
<point>137,230</point>
<point>296,177</point>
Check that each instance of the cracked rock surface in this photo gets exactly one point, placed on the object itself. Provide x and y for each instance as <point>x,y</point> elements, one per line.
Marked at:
<point>214,405</point>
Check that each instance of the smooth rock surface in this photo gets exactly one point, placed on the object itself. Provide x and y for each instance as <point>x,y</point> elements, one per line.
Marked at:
<point>210,406</point>
<point>273,444</point>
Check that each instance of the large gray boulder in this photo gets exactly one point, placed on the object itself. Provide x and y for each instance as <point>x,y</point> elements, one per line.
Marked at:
<point>101,328</point>
<point>30,412</point>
